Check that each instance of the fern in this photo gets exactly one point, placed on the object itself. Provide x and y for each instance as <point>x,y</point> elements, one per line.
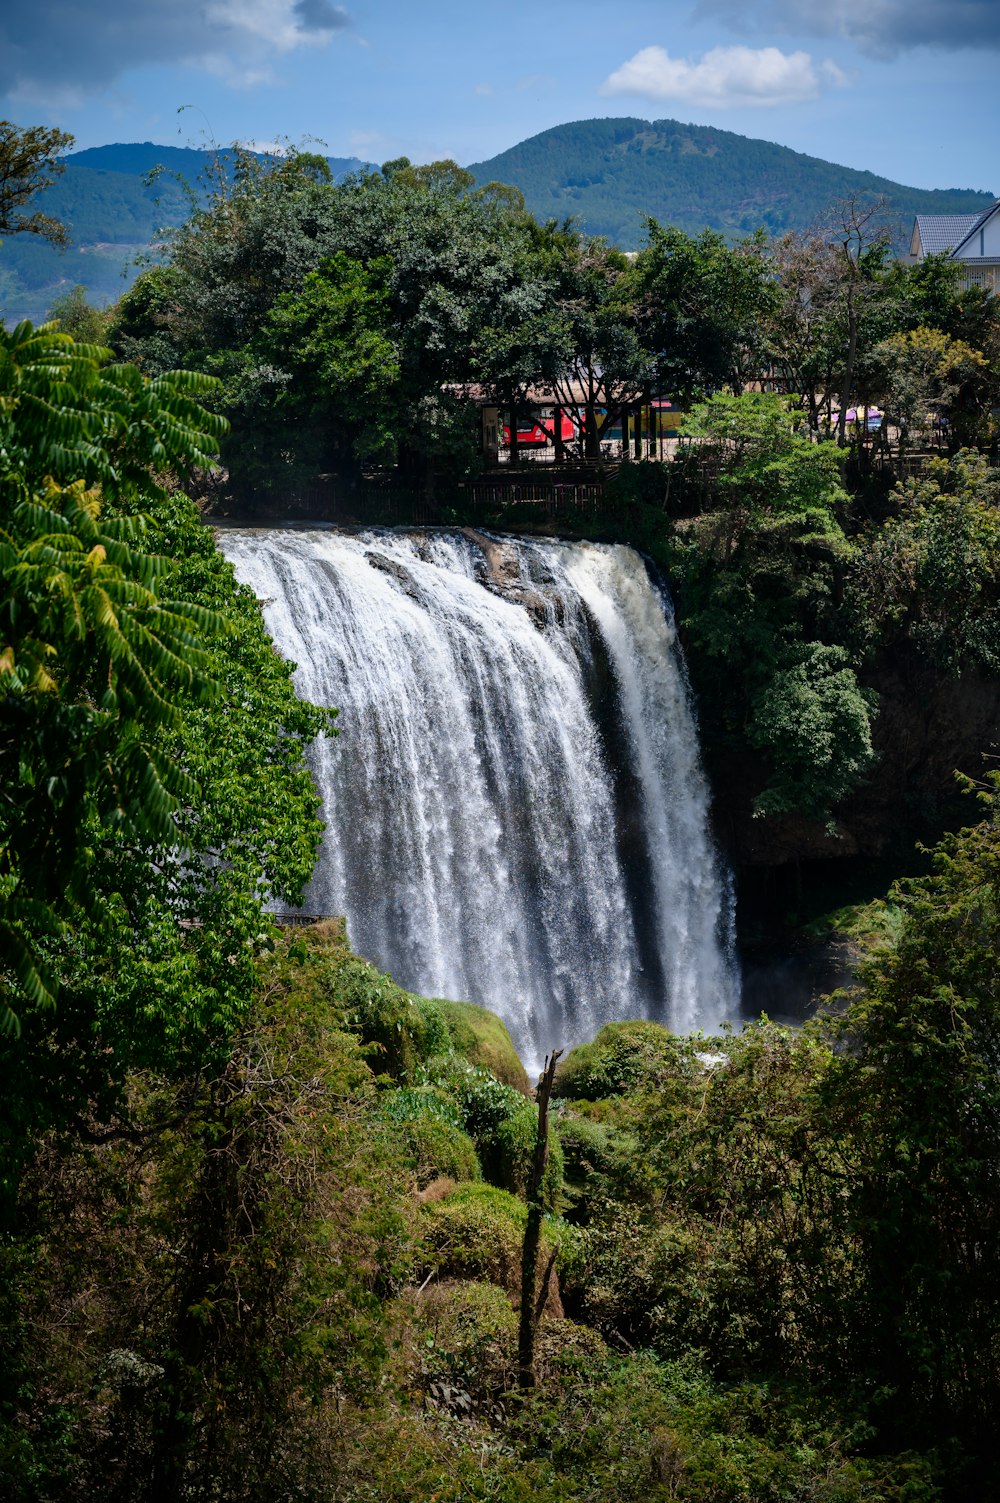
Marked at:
<point>93,662</point>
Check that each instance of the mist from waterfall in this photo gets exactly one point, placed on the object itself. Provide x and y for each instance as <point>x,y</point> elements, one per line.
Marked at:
<point>516,814</point>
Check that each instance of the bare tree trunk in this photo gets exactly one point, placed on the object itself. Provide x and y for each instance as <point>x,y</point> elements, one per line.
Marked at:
<point>530,1312</point>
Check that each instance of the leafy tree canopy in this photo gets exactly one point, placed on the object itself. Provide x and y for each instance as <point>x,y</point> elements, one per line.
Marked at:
<point>29,162</point>
<point>705,305</point>
<point>152,792</point>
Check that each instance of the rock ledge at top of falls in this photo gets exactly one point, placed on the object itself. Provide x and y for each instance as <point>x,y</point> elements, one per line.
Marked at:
<point>394,570</point>
<point>501,573</point>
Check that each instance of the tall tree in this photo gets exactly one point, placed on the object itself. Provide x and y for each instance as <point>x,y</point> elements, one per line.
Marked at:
<point>29,163</point>
<point>90,654</point>
<point>704,305</point>
<point>859,237</point>
<point>152,791</point>
<point>608,367</point>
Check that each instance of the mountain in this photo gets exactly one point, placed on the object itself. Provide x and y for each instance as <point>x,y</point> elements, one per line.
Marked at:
<point>609,174</point>
<point>114,216</point>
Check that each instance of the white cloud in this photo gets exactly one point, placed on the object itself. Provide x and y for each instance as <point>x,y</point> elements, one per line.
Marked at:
<point>725,78</point>
<point>279,24</point>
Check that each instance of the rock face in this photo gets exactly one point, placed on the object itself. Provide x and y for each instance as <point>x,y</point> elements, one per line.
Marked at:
<point>396,571</point>
<point>501,572</point>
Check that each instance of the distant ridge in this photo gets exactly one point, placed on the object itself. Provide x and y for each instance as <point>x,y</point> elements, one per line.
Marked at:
<point>608,174</point>
<point>140,157</point>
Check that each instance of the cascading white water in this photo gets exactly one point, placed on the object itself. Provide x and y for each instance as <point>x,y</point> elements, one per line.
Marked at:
<point>516,813</point>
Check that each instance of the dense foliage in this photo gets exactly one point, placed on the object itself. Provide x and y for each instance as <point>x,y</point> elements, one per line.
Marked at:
<point>353,324</point>
<point>776,1254</point>
<point>154,794</point>
<point>263,1213</point>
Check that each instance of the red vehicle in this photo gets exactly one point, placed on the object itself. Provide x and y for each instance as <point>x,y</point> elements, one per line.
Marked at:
<point>540,433</point>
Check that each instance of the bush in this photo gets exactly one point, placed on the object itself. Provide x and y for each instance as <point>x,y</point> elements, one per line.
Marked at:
<point>480,1037</point>
<point>504,1126</point>
<point>814,720</point>
<point>476,1233</point>
<point>644,1282</point>
<point>601,1162</point>
<point>429,1127</point>
<point>623,1057</point>
<point>469,1347</point>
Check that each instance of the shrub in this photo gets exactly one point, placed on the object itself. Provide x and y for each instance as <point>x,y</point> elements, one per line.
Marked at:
<point>429,1127</point>
<point>480,1037</point>
<point>591,1160</point>
<point>476,1233</point>
<point>469,1347</point>
<point>504,1126</point>
<point>623,1057</point>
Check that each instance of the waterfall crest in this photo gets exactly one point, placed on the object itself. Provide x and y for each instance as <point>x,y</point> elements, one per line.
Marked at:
<point>515,809</point>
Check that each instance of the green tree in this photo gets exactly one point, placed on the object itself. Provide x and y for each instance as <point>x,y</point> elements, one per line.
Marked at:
<point>759,580</point>
<point>814,720</point>
<point>927,374</point>
<point>91,655</point>
<point>153,791</point>
<point>704,305</point>
<point>316,389</point>
<point>432,280</point>
<point>926,579</point>
<point>915,1093</point>
<point>607,362</point>
<point>77,317</point>
<point>29,163</point>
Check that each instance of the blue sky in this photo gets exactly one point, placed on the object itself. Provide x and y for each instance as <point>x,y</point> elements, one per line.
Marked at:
<point>907,88</point>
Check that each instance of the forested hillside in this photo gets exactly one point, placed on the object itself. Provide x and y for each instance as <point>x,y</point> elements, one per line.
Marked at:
<point>610,174</point>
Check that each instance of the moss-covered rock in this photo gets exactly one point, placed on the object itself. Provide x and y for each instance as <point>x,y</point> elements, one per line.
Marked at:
<point>401,1031</point>
<point>623,1057</point>
<point>476,1233</point>
<point>482,1038</point>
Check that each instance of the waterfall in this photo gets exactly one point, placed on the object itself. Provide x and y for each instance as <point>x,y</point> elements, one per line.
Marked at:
<point>515,809</point>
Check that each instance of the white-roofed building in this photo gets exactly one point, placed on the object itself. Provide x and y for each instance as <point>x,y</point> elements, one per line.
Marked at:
<point>972,239</point>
